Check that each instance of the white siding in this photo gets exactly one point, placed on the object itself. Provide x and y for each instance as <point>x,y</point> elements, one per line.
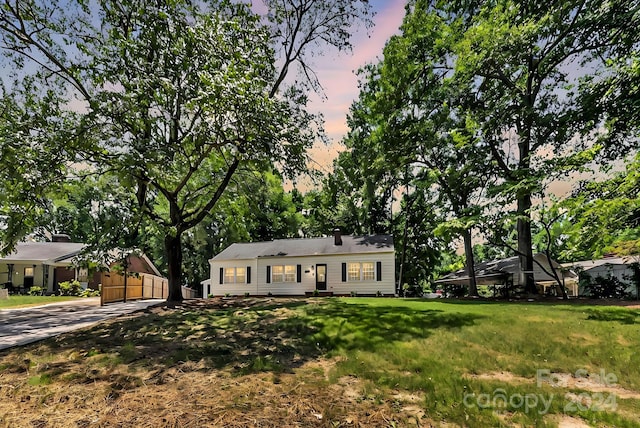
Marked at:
<point>622,272</point>
<point>218,289</point>
<point>335,285</point>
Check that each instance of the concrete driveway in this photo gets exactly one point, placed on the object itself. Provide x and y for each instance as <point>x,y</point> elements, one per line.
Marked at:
<point>26,325</point>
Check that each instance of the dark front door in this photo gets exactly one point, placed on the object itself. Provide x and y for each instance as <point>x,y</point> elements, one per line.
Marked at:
<point>321,277</point>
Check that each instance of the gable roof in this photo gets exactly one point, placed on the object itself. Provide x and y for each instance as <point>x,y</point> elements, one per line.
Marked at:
<point>38,252</point>
<point>307,247</point>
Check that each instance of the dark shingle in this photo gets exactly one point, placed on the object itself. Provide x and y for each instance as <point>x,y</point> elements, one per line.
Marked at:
<point>307,247</point>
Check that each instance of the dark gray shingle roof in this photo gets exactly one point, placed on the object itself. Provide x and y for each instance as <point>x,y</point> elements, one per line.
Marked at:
<point>307,247</point>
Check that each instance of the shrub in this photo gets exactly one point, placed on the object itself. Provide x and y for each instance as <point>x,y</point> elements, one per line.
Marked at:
<point>354,294</point>
<point>70,288</point>
<point>412,290</point>
<point>379,293</point>
<point>604,287</point>
<point>455,290</point>
<point>209,296</point>
<point>246,294</point>
<point>89,292</point>
<point>35,291</point>
<point>315,293</point>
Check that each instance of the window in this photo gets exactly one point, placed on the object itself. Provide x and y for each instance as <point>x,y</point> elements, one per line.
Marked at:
<point>289,274</point>
<point>353,272</point>
<point>28,271</point>
<point>286,273</point>
<point>365,271</point>
<point>368,271</point>
<point>235,275</point>
<point>277,274</point>
<point>229,275</point>
<point>240,275</point>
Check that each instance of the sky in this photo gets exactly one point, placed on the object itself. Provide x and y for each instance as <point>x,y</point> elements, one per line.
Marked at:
<point>337,74</point>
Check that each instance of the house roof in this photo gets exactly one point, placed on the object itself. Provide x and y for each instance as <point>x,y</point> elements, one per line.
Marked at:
<point>489,272</point>
<point>591,264</point>
<point>307,247</point>
<point>40,252</point>
<point>60,254</point>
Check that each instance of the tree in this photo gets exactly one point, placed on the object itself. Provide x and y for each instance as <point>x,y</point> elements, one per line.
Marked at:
<point>30,165</point>
<point>603,216</point>
<point>178,97</point>
<point>412,122</point>
<point>517,57</point>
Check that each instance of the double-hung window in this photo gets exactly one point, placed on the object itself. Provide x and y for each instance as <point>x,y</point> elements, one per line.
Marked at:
<point>235,275</point>
<point>287,273</point>
<point>360,271</point>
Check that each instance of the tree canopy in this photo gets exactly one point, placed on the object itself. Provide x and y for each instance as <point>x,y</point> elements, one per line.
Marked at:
<point>171,99</point>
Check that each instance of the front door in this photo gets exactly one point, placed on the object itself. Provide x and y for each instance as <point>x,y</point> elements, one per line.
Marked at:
<point>321,277</point>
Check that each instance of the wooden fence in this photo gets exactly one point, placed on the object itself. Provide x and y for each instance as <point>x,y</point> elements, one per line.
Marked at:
<point>142,286</point>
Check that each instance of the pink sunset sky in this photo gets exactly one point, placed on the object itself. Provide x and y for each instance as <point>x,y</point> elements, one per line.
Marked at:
<point>337,74</point>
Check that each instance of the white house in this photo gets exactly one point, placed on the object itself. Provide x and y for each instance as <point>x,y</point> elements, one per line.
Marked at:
<point>618,267</point>
<point>337,265</point>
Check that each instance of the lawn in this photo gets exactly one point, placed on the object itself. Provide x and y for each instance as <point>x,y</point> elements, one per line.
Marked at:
<point>17,301</point>
<point>334,362</point>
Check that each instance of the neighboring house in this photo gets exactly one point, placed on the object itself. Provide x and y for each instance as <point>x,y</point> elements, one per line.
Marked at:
<point>616,267</point>
<point>338,265</point>
<point>47,264</point>
<point>506,272</point>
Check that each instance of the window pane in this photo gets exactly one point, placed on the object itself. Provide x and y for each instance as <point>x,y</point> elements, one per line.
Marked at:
<point>229,275</point>
<point>353,272</point>
<point>368,271</point>
<point>290,273</point>
<point>240,275</point>
<point>28,271</point>
<point>277,273</point>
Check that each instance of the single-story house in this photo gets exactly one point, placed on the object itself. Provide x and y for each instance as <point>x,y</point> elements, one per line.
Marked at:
<point>336,265</point>
<point>47,264</point>
<point>507,272</point>
<point>617,267</point>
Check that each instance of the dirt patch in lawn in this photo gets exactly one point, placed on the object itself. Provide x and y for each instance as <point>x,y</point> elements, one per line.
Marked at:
<point>214,362</point>
<point>592,382</point>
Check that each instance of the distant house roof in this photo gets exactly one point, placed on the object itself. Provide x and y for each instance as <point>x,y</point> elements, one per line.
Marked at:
<point>40,252</point>
<point>499,270</point>
<point>307,247</point>
<point>587,265</point>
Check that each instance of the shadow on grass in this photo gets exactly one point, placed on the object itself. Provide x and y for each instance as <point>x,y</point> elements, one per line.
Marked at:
<point>360,326</point>
<point>276,338</point>
<point>621,315</point>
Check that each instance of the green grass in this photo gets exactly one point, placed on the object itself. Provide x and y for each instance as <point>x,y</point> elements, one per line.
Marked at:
<point>26,301</point>
<point>442,351</point>
<point>436,348</point>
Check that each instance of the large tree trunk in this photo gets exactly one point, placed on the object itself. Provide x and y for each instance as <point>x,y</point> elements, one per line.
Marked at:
<point>471,272</point>
<point>173,250</point>
<point>525,250</point>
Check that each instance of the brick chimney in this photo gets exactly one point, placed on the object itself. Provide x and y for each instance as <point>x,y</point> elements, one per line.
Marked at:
<point>337,236</point>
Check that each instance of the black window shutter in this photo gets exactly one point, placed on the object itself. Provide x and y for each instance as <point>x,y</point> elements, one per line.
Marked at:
<point>344,272</point>
<point>248,274</point>
<point>268,274</point>
<point>378,271</point>
<point>221,275</point>
<point>299,273</point>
